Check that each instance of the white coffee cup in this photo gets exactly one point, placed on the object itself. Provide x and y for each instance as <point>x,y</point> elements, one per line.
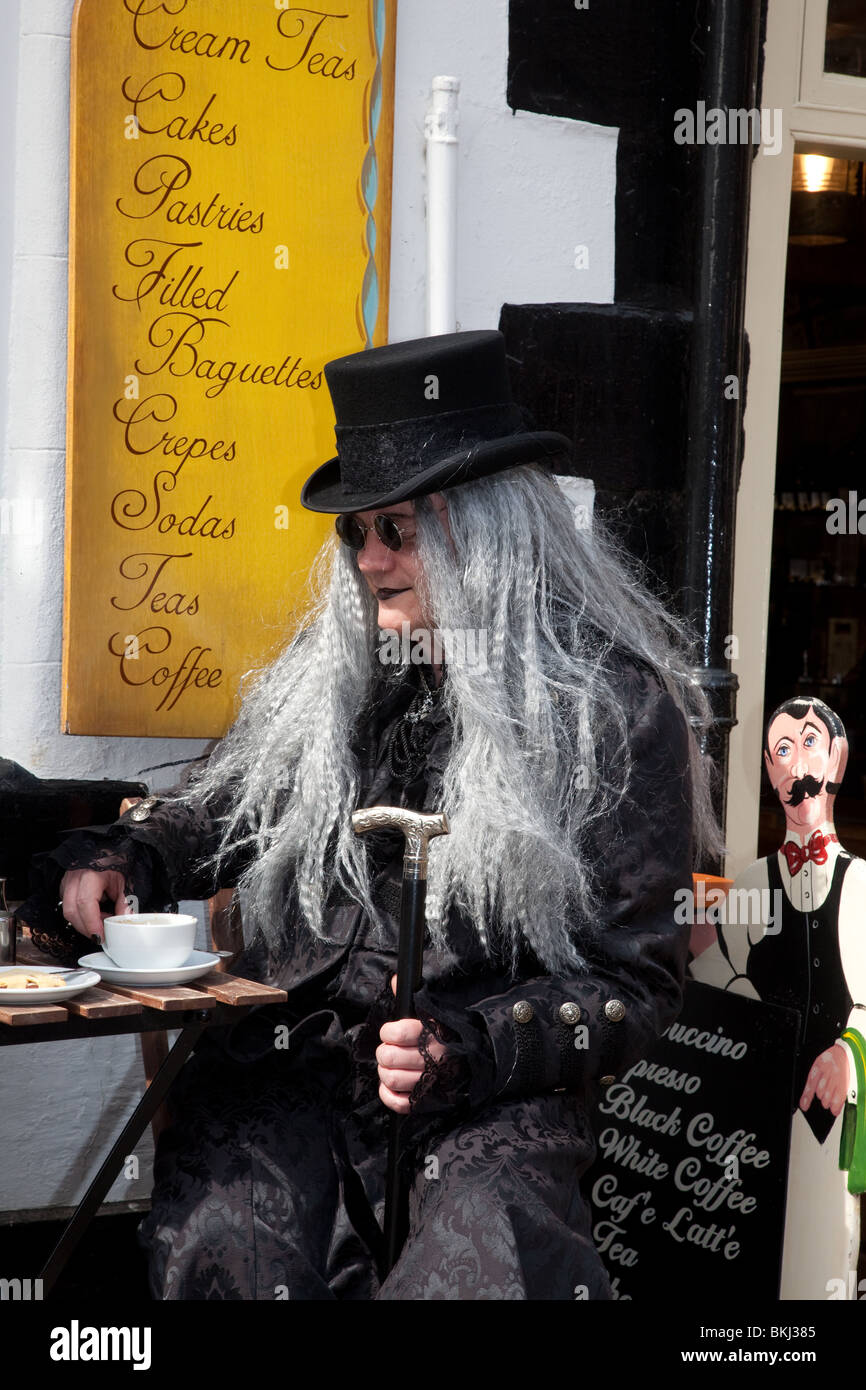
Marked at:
<point>149,940</point>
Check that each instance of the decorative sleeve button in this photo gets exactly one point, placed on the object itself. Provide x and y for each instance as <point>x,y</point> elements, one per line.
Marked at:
<point>144,808</point>
<point>606,1080</point>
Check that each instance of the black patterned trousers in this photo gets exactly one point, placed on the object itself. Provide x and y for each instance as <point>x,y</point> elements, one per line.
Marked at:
<point>266,1185</point>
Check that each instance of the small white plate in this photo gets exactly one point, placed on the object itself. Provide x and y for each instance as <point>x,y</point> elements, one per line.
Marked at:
<point>199,963</point>
<point>76,981</point>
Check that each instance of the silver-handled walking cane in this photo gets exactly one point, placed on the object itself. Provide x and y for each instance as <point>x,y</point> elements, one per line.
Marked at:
<point>419,828</point>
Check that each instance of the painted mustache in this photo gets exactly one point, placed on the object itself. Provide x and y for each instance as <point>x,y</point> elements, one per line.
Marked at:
<point>803,787</point>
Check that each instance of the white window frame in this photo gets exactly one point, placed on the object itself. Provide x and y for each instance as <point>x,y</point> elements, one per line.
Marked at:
<point>820,91</point>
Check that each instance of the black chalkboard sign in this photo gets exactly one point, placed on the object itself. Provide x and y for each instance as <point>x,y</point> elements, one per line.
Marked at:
<point>688,1189</point>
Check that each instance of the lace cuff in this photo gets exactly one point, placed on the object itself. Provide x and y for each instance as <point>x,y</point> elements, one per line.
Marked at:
<point>462,1080</point>
<point>95,848</point>
<point>452,1085</point>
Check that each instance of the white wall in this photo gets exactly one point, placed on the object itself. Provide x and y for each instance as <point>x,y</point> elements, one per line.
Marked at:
<point>532,188</point>
<point>8,85</point>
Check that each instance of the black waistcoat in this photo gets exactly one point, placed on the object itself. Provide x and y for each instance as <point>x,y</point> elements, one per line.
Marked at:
<point>800,967</point>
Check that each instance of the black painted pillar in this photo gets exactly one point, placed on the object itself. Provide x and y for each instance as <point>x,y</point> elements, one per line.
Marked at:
<point>639,384</point>
<point>718,363</point>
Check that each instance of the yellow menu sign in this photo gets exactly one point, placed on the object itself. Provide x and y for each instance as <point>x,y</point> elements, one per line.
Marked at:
<point>229,234</point>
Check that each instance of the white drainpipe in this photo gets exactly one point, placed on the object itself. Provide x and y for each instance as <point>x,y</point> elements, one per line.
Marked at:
<point>440,129</point>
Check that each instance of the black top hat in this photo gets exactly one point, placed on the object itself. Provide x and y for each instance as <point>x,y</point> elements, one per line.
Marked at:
<point>416,417</point>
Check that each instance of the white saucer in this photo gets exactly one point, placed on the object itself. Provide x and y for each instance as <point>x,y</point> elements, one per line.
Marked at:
<point>199,963</point>
<point>77,980</point>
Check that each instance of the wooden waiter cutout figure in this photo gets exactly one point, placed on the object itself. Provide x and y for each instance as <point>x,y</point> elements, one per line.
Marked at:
<point>808,952</point>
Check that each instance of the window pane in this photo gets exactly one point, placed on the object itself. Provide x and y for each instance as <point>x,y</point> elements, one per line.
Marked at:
<point>845,43</point>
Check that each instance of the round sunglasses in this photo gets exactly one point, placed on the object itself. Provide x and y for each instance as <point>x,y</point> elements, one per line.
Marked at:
<point>353,533</point>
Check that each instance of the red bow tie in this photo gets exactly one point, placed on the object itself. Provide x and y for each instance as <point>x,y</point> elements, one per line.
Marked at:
<point>815,849</point>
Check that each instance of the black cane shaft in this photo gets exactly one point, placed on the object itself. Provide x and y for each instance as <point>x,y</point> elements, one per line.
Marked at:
<point>411,949</point>
<point>410,956</point>
<point>396,1217</point>
<point>418,828</point>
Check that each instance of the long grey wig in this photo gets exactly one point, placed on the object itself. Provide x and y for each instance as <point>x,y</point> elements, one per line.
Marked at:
<point>523,782</point>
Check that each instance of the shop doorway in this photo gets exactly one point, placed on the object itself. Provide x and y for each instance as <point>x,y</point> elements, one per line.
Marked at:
<point>816,624</point>
<point>798,587</point>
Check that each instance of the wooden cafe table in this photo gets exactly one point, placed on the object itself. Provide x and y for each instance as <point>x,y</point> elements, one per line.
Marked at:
<point>217,998</point>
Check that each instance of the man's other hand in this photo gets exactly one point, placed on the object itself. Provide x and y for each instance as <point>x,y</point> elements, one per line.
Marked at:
<point>828,1080</point>
<point>400,1061</point>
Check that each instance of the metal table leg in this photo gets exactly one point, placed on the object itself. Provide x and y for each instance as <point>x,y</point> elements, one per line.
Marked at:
<point>123,1145</point>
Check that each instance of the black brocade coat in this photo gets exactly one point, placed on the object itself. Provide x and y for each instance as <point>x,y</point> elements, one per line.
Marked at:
<point>268,1182</point>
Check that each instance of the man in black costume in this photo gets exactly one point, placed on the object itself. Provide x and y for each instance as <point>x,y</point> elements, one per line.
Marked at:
<point>471,651</point>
